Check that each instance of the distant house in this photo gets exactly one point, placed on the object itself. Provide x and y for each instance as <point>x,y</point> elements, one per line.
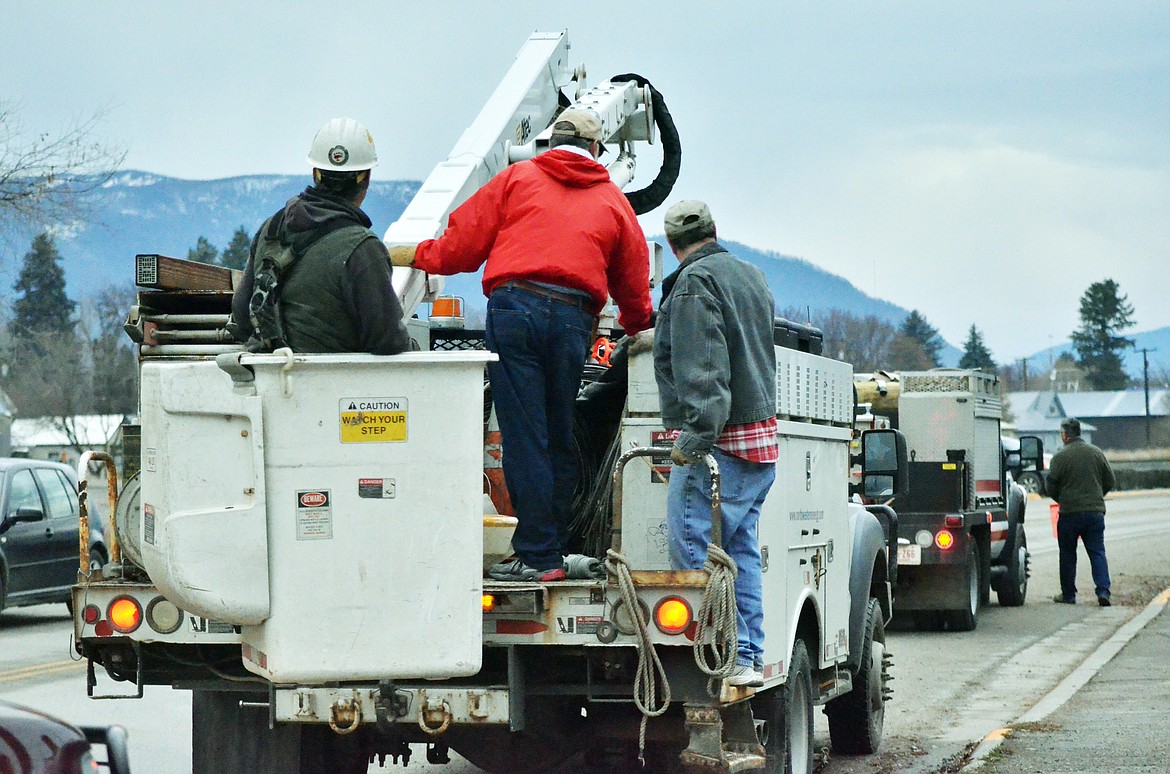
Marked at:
<point>1111,420</point>
<point>57,439</point>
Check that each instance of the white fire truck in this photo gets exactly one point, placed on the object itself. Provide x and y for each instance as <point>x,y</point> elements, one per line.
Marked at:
<point>303,543</point>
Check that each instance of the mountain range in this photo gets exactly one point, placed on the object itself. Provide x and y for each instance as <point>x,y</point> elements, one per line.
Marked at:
<point>139,212</point>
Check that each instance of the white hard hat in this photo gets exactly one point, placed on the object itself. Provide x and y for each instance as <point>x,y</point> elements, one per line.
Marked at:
<point>343,145</point>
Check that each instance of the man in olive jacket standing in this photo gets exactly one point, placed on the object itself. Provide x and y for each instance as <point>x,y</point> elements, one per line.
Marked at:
<point>715,364</point>
<point>1079,478</point>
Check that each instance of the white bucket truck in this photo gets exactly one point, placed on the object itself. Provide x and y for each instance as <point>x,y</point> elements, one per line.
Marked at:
<point>303,546</point>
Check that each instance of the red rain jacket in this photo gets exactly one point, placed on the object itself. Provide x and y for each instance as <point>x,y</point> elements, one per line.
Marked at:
<point>557,219</point>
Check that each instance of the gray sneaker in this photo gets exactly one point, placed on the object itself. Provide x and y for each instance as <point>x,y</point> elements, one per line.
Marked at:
<point>746,675</point>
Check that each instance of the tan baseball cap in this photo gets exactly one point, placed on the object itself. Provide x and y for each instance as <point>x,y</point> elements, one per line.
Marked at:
<point>685,216</point>
<point>581,123</point>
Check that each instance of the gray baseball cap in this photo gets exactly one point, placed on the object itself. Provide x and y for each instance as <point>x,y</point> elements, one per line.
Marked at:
<point>685,216</point>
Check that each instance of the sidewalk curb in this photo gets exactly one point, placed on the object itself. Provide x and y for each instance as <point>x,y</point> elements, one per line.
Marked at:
<point>1068,687</point>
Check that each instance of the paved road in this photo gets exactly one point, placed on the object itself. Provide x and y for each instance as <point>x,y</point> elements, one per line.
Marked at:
<point>950,689</point>
<point>953,688</point>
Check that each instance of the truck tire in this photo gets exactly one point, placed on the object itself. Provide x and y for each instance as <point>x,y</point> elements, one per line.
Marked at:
<point>798,713</point>
<point>1032,482</point>
<point>857,718</point>
<point>784,719</point>
<point>965,619</point>
<point>1013,589</point>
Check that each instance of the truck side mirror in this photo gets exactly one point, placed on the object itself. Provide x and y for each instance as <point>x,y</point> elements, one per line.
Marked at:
<point>884,466</point>
<point>1031,452</point>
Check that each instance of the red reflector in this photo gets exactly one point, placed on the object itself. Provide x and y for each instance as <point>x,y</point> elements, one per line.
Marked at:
<point>91,614</point>
<point>953,520</point>
<point>103,629</point>
<point>508,626</point>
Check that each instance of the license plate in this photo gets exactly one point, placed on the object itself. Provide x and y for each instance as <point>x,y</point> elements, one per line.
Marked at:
<point>911,554</point>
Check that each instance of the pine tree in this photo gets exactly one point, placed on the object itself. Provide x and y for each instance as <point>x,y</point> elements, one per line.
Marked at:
<point>114,389</point>
<point>917,328</point>
<point>1105,312</point>
<point>975,353</point>
<point>906,354</point>
<point>41,306</point>
<point>203,252</point>
<point>235,255</point>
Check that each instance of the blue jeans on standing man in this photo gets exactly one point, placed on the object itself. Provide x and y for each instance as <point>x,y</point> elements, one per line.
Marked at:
<point>542,344</point>
<point>743,486</point>
<point>1090,528</point>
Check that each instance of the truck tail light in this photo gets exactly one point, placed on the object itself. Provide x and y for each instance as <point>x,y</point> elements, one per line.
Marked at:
<point>163,615</point>
<point>91,614</point>
<point>489,602</point>
<point>672,615</point>
<point>954,520</point>
<point>944,539</point>
<point>124,614</point>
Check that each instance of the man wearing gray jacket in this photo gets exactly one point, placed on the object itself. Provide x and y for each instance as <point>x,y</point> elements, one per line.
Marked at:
<point>715,366</point>
<point>1079,478</point>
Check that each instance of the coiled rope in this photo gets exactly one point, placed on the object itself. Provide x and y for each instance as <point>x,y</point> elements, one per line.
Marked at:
<point>650,670</point>
<point>716,626</point>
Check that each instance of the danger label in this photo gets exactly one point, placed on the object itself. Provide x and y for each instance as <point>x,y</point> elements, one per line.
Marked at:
<point>372,420</point>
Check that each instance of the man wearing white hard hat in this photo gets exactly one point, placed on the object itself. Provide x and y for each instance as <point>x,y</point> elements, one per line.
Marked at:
<point>317,278</point>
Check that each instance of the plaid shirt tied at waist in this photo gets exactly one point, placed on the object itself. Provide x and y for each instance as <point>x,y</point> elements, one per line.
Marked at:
<point>751,441</point>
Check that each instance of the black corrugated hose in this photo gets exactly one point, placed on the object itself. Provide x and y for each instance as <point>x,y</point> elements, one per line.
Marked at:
<point>653,195</point>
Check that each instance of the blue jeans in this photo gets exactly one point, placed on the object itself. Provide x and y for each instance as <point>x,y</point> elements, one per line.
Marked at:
<point>542,344</point>
<point>743,487</point>
<point>1090,528</point>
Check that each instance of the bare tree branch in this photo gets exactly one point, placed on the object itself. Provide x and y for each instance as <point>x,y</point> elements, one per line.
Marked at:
<point>48,176</point>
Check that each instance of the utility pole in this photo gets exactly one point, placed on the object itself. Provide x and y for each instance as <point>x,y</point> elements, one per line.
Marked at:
<point>1146,384</point>
<point>1024,364</point>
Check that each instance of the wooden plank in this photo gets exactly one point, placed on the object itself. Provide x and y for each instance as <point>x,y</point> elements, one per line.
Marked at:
<point>165,273</point>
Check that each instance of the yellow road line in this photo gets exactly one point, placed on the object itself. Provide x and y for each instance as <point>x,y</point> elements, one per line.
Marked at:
<point>24,673</point>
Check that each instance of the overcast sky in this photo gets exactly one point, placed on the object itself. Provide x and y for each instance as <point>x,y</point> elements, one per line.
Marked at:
<point>981,162</point>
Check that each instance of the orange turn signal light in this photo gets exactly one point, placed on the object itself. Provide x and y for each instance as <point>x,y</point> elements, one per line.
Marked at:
<point>944,539</point>
<point>489,602</point>
<point>672,615</point>
<point>124,614</point>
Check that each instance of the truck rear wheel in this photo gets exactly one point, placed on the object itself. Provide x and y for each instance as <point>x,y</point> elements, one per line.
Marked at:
<point>798,713</point>
<point>1013,588</point>
<point>967,618</point>
<point>857,718</point>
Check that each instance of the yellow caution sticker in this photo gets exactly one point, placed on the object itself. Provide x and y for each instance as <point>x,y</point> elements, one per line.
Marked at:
<point>372,420</point>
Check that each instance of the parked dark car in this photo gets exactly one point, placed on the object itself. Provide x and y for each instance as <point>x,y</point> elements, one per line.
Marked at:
<point>32,742</point>
<point>39,532</point>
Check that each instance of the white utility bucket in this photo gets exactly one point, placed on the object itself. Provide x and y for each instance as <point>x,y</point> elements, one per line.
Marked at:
<point>330,505</point>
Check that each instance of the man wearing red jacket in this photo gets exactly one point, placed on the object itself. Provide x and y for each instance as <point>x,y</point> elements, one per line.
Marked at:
<point>557,237</point>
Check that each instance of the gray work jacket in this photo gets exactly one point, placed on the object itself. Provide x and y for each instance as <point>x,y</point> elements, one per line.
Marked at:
<point>713,348</point>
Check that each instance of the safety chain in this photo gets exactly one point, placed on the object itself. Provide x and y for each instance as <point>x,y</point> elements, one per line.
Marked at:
<point>716,629</point>
<point>650,669</point>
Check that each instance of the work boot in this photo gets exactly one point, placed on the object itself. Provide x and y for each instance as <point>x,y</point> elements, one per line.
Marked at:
<point>1062,599</point>
<point>1104,601</point>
